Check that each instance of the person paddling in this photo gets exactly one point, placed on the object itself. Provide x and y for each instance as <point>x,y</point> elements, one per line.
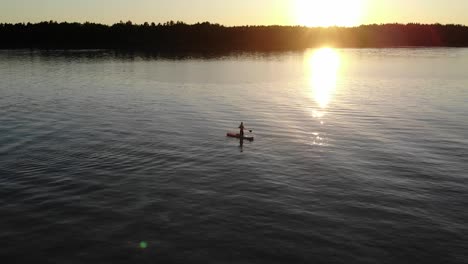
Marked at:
<point>241,133</point>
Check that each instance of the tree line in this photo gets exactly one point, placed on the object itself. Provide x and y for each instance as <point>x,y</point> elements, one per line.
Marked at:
<point>179,36</point>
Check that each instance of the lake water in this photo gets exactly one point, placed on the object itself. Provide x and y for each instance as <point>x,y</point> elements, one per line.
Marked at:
<point>360,156</point>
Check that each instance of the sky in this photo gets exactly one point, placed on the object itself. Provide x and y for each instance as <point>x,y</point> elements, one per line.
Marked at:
<point>239,12</point>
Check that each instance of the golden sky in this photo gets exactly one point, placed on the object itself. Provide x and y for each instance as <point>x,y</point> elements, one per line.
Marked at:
<point>239,12</point>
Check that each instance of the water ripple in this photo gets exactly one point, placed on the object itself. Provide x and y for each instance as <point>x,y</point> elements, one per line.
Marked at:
<point>100,152</point>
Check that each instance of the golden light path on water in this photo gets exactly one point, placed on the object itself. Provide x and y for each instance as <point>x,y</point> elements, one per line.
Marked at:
<point>323,69</point>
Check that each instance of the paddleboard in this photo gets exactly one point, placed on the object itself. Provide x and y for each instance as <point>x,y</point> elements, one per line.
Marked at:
<point>237,135</point>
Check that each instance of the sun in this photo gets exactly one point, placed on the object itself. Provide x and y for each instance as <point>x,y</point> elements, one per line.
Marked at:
<point>326,13</point>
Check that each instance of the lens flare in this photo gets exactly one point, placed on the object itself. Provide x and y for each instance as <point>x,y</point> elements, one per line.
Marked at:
<point>143,245</point>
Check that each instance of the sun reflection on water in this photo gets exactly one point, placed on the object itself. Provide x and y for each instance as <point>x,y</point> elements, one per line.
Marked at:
<point>323,65</point>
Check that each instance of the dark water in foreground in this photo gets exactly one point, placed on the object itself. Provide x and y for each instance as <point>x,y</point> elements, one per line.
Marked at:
<point>361,156</point>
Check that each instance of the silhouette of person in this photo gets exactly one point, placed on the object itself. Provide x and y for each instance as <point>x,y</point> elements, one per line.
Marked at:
<point>241,132</point>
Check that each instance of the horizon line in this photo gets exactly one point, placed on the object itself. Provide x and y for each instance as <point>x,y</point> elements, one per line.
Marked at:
<point>230,26</point>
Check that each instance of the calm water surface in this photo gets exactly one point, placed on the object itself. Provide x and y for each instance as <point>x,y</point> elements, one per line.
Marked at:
<point>360,156</point>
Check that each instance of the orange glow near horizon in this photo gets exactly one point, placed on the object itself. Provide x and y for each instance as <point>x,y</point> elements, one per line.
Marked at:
<point>241,12</point>
<point>326,13</point>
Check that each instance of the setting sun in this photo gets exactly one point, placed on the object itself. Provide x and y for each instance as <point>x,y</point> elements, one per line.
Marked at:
<point>325,13</point>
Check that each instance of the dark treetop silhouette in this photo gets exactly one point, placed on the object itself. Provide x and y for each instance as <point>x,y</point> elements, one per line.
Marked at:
<point>178,36</point>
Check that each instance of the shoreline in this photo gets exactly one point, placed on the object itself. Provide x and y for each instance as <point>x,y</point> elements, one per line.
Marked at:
<point>207,37</point>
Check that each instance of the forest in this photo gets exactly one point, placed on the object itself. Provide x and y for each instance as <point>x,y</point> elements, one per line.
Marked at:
<point>179,36</point>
